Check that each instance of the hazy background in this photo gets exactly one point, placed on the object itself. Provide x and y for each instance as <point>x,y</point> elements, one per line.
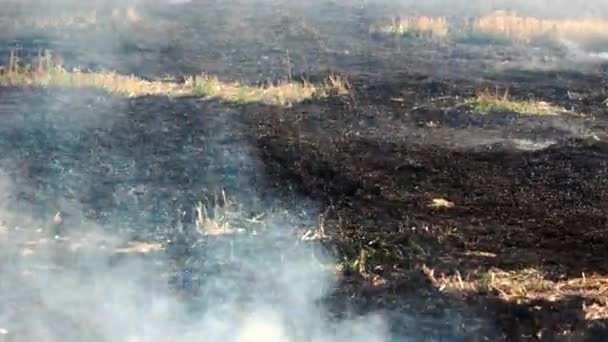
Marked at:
<point>541,8</point>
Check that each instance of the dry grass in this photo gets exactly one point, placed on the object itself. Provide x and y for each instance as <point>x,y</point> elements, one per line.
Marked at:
<point>527,29</point>
<point>487,101</point>
<point>441,203</point>
<point>109,81</point>
<point>500,26</point>
<point>47,73</point>
<point>281,93</point>
<point>426,27</point>
<point>525,286</point>
<point>214,219</point>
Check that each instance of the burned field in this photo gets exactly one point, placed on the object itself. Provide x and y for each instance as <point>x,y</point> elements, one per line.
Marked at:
<point>296,174</point>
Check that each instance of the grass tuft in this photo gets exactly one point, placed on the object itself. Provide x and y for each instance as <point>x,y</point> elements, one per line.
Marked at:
<point>486,102</point>
<point>528,29</point>
<point>418,27</point>
<point>48,72</point>
<point>282,93</point>
<point>498,28</point>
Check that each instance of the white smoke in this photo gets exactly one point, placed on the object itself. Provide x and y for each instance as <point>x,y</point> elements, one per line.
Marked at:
<point>79,280</point>
<point>75,287</point>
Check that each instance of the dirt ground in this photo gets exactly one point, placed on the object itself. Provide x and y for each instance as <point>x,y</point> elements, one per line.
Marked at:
<point>497,221</point>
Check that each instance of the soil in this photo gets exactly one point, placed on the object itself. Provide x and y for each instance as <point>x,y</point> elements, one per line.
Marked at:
<point>520,194</point>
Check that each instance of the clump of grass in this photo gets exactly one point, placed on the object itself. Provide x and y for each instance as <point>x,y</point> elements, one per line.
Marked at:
<point>487,101</point>
<point>420,27</point>
<point>213,221</point>
<point>204,86</point>
<point>281,93</point>
<point>337,84</point>
<point>523,286</point>
<point>111,82</point>
<point>361,263</point>
<point>528,29</point>
<point>49,73</point>
<point>498,28</point>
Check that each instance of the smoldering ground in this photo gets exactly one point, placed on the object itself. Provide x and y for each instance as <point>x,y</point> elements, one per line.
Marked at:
<point>153,218</point>
<point>67,278</point>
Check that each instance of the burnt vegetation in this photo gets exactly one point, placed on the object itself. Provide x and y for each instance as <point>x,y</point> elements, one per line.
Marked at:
<point>458,171</point>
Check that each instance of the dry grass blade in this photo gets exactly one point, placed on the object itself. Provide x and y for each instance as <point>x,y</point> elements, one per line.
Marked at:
<point>487,101</point>
<point>527,29</point>
<point>499,26</point>
<point>422,26</point>
<point>441,203</point>
<point>49,73</point>
<point>213,225</point>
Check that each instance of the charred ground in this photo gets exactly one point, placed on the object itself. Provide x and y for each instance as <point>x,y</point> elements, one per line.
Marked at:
<point>495,220</point>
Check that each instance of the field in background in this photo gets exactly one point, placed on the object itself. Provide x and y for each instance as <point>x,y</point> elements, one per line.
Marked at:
<point>501,27</point>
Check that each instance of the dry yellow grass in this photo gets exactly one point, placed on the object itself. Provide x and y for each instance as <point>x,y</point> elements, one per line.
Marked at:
<point>527,29</point>
<point>109,81</point>
<point>281,93</point>
<point>432,27</point>
<point>526,285</point>
<point>487,101</point>
<point>501,25</point>
<point>441,203</point>
<point>45,74</point>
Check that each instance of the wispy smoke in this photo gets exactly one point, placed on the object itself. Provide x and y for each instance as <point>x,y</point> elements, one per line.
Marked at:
<point>82,281</point>
<point>74,281</point>
<point>75,287</point>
